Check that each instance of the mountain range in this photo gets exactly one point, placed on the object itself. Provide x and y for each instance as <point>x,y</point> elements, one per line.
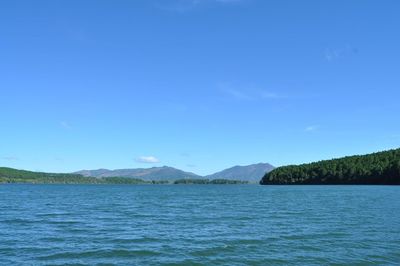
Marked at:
<point>251,173</point>
<point>147,174</point>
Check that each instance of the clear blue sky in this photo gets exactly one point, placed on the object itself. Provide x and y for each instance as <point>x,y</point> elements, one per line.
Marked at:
<point>199,85</point>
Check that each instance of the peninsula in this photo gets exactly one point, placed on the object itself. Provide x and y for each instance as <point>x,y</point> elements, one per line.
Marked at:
<point>381,168</point>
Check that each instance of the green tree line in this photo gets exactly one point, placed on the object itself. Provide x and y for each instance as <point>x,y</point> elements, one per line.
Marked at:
<point>381,168</point>
<point>10,175</point>
<point>208,182</point>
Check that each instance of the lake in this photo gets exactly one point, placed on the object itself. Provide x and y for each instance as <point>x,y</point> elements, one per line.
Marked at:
<point>199,225</point>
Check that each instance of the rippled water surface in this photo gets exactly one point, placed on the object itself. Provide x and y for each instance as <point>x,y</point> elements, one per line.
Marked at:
<point>199,225</point>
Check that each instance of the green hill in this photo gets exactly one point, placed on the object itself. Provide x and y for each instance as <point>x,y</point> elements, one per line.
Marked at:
<point>10,175</point>
<point>381,168</point>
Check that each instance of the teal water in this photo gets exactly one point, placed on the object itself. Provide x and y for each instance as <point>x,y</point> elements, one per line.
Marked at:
<point>199,225</point>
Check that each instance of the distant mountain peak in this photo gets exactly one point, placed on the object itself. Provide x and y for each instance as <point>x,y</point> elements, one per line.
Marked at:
<point>252,173</point>
<point>154,173</point>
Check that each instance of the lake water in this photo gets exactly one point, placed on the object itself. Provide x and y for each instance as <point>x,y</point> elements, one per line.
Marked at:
<point>199,225</point>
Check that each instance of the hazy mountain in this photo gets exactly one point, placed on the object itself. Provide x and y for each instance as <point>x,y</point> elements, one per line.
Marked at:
<point>147,174</point>
<point>252,173</point>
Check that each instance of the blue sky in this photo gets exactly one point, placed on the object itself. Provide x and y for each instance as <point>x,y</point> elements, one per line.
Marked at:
<point>200,85</point>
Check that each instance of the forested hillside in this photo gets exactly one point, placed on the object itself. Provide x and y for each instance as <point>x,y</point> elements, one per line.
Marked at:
<point>376,168</point>
<point>10,175</point>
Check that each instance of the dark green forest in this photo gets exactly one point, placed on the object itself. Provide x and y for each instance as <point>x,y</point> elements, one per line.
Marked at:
<point>381,168</point>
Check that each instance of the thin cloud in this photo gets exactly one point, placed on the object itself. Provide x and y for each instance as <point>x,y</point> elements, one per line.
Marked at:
<point>238,95</point>
<point>311,128</point>
<point>10,158</point>
<point>186,5</point>
<point>58,159</point>
<point>147,159</point>
<point>250,94</point>
<point>65,125</point>
<point>271,95</point>
<point>228,1</point>
<point>332,54</point>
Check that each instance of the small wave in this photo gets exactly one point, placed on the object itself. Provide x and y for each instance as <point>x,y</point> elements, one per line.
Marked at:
<point>114,253</point>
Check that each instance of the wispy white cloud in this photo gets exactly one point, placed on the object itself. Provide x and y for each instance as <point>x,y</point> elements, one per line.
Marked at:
<point>239,95</point>
<point>186,5</point>
<point>311,128</point>
<point>10,158</point>
<point>65,125</point>
<point>331,54</point>
<point>250,94</point>
<point>271,95</point>
<point>147,159</point>
<point>58,159</point>
<point>227,1</point>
